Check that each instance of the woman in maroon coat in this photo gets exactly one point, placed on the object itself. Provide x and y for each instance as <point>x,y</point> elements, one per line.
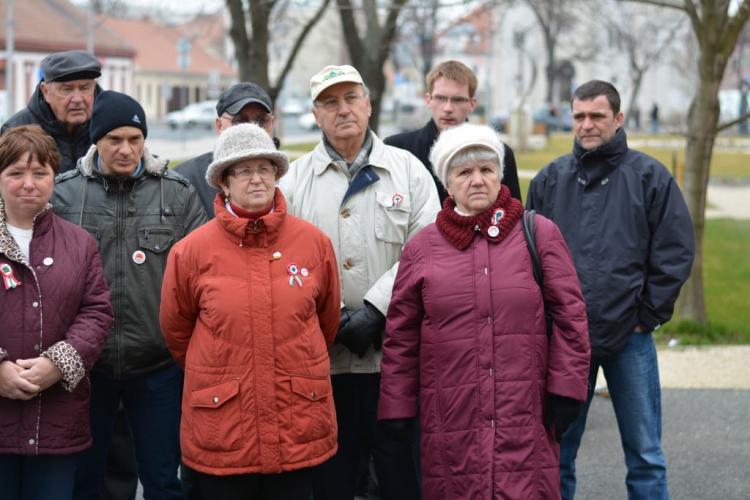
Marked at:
<point>55,316</point>
<point>466,337</point>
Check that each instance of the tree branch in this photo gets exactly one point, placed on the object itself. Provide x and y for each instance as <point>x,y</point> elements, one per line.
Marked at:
<point>724,126</point>
<point>349,25</point>
<point>298,45</point>
<point>734,27</point>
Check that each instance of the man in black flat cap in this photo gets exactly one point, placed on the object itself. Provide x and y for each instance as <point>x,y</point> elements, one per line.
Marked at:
<point>62,102</point>
<point>244,102</point>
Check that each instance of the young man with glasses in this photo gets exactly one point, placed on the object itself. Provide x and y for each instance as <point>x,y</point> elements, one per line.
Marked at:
<point>244,102</point>
<point>450,97</point>
<point>368,198</point>
<point>62,103</point>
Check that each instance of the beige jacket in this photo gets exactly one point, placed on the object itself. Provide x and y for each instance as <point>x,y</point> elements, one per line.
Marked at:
<point>368,219</point>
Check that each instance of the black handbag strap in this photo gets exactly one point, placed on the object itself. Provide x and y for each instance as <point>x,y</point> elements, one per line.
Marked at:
<point>527,222</point>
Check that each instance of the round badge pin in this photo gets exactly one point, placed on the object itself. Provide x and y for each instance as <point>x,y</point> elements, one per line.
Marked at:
<point>48,261</point>
<point>493,231</point>
<point>139,257</point>
<point>303,272</point>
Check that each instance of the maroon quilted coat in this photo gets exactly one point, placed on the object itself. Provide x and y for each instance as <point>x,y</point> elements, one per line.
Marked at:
<point>61,310</point>
<point>466,334</point>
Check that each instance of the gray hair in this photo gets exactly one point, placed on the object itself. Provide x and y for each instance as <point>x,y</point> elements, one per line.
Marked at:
<point>473,155</point>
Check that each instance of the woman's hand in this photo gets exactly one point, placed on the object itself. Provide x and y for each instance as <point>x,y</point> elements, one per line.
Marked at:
<point>40,371</point>
<point>12,385</point>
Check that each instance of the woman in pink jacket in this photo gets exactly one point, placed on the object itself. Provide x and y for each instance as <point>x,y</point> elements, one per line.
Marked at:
<point>466,337</point>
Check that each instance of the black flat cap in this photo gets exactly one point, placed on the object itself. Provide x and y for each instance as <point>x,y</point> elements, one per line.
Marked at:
<point>238,96</point>
<point>71,65</point>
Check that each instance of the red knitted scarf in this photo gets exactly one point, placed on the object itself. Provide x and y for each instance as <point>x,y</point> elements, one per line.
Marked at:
<point>494,223</point>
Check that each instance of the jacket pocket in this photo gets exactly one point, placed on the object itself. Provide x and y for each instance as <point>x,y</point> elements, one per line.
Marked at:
<point>311,408</point>
<point>155,239</point>
<point>216,417</point>
<point>392,212</point>
<point>95,232</point>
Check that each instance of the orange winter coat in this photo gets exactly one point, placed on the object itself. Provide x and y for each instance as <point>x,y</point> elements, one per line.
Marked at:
<point>252,337</point>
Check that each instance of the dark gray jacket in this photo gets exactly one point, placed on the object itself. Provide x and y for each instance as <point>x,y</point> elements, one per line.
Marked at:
<point>629,231</point>
<point>144,214</point>
<point>40,113</point>
<point>194,170</point>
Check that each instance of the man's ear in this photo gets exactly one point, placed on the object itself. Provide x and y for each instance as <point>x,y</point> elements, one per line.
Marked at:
<point>45,90</point>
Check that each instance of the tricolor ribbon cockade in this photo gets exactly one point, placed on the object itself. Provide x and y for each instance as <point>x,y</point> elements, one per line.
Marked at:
<point>8,278</point>
<point>294,274</point>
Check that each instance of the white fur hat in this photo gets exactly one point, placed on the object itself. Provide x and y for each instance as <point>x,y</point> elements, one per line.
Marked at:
<point>467,135</point>
<point>242,142</point>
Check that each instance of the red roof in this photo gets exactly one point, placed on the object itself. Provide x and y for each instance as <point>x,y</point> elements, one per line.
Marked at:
<point>56,26</point>
<point>156,47</point>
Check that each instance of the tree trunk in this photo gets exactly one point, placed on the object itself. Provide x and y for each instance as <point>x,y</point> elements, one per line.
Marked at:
<point>702,122</point>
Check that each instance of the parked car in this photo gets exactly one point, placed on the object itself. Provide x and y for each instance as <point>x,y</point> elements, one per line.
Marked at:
<point>307,121</point>
<point>555,118</point>
<point>199,114</point>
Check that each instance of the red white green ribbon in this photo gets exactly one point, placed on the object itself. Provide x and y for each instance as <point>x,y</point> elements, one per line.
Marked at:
<point>10,280</point>
<point>294,274</point>
<point>497,216</point>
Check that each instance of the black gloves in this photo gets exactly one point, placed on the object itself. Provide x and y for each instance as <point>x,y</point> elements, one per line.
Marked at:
<point>399,429</point>
<point>360,328</point>
<point>562,411</point>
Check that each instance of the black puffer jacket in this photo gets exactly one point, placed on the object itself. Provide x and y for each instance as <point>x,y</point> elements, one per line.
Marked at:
<point>629,231</point>
<point>130,218</point>
<point>40,113</point>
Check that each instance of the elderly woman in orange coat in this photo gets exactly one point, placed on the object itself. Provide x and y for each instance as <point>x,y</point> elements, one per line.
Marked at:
<point>250,304</point>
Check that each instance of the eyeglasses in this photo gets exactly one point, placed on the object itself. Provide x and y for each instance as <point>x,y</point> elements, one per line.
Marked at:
<point>332,103</point>
<point>456,101</point>
<point>263,121</point>
<point>265,172</point>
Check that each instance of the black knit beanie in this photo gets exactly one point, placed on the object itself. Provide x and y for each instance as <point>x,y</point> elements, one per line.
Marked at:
<point>112,110</point>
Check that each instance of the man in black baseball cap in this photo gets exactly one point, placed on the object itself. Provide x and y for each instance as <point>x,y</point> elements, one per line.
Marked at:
<point>244,102</point>
<point>62,103</point>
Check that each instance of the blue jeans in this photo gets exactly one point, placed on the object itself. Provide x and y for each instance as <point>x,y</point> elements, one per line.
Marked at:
<point>633,382</point>
<point>356,398</point>
<point>37,477</point>
<point>152,406</point>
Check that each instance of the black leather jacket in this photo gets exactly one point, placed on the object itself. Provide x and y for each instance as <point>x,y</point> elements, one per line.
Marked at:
<point>135,221</point>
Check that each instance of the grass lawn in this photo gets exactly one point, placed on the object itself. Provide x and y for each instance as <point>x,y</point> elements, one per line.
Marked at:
<point>723,164</point>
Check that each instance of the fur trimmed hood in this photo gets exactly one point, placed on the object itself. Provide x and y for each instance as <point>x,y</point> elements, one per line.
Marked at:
<point>152,164</point>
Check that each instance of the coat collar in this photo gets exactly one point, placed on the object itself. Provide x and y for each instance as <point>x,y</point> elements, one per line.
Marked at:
<point>8,246</point>
<point>321,160</point>
<point>247,232</point>
<point>153,165</point>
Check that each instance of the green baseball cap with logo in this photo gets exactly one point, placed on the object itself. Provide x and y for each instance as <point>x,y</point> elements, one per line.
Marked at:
<point>333,75</point>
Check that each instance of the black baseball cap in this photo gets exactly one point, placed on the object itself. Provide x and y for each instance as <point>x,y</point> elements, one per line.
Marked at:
<point>71,65</point>
<point>240,95</point>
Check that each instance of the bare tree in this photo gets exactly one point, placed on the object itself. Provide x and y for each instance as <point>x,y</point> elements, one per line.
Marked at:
<point>369,29</point>
<point>717,29</point>
<point>640,34</point>
<point>252,48</point>
<point>555,17</point>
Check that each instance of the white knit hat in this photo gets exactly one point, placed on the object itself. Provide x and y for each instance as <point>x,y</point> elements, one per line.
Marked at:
<point>243,142</point>
<point>453,140</point>
<point>333,75</point>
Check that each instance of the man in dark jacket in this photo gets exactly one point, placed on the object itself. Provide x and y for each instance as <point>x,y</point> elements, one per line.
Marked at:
<point>62,103</point>
<point>629,231</point>
<point>136,209</point>
<point>450,96</point>
<point>244,102</point>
